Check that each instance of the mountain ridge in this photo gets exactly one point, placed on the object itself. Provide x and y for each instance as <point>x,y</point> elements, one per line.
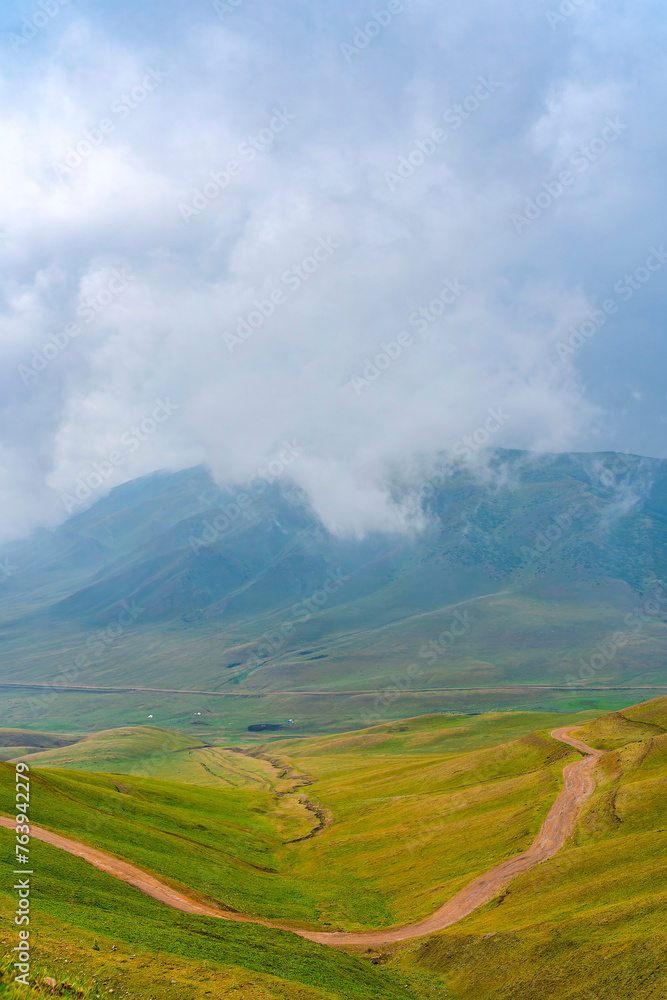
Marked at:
<point>187,586</point>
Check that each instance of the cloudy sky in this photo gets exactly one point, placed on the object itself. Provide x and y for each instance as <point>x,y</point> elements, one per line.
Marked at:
<point>369,231</point>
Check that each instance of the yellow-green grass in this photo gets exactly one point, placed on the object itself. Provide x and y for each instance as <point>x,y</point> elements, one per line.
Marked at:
<point>216,844</point>
<point>152,752</point>
<point>588,923</point>
<point>88,966</point>
<point>447,733</point>
<point>75,906</point>
<point>21,742</point>
<point>635,724</point>
<point>413,810</point>
<point>410,826</point>
<point>420,808</point>
<point>128,746</point>
<point>414,819</point>
<point>412,829</point>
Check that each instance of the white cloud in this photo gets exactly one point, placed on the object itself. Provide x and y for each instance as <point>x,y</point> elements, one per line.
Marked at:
<point>322,176</point>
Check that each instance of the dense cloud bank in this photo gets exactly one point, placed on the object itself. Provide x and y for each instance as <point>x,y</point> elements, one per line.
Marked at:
<point>362,234</point>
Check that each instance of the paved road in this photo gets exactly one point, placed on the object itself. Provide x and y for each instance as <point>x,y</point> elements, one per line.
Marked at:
<point>578,787</point>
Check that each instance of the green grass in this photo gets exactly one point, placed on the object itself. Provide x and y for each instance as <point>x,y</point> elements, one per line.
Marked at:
<point>146,751</point>
<point>204,955</point>
<point>129,747</point>
<point>531,617</point>
<point>328,713</point>
<point>414,818</point>
<point>214,844</point>
<point>419,811</point>
<point>588,923</point>
<point>516,656</point>
<point>635,724</point>
<point>442,733</point>
<point>420,808</point>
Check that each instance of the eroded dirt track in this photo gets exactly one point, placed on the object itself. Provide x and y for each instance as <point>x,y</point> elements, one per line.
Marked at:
<point>559,823</point>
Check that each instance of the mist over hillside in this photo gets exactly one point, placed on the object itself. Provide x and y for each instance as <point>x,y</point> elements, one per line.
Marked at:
<point>521,572</point>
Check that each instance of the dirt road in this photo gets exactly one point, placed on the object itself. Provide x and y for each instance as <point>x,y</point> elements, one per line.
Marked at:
<point>579,785</point>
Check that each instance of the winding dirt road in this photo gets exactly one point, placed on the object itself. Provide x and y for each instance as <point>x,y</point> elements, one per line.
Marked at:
<point>578,787</point>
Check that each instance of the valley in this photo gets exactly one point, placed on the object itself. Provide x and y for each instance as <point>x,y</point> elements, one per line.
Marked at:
<point>578,786</point>
<point>414,764</point>
<point>533,583</point>
<point>418,811</point>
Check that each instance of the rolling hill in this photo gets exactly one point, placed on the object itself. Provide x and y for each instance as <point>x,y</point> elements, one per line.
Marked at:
<point>530,582</point>
<point>417,809</point>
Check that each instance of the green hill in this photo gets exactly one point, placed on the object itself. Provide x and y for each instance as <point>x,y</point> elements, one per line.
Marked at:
<point>587,924</point>
<point>17,742</point>
<point>146,751</point>
<point>533,586</point>
<point>241,844</point>
<point>401,816</point>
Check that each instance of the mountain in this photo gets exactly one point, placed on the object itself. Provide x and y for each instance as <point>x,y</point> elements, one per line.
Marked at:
<point>531,581</point>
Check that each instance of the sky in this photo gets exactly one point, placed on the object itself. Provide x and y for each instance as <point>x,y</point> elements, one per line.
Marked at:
<point>329,240</point>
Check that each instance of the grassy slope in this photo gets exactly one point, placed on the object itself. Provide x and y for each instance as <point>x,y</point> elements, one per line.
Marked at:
<point>421,809</point>
<point>146,751</point>
<point>589,923</point>
<point>416,804</point>
<point>401,841</point>
<point>206,957</point>
<point>543,645</point>
<point>531,616</point>
<point>127,747</point>
<point>213,843</point>
<point>19,742</point>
